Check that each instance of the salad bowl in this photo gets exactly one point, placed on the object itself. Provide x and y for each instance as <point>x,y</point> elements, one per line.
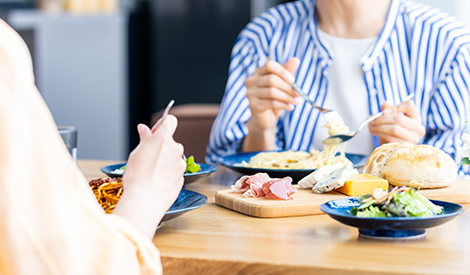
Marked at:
<point>389,227</point>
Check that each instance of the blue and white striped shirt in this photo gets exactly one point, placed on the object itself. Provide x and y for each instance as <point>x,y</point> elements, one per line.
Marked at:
<point>420,49</point>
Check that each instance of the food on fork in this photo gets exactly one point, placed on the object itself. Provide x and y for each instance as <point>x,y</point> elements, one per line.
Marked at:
<point>417,166</point>
<point>261,185</point>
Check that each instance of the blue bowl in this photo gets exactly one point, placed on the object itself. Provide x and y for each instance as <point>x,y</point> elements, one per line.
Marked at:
<point>206,169</point>
<point>187,200</point>
<point>394,227</point>
<point>231,162</point>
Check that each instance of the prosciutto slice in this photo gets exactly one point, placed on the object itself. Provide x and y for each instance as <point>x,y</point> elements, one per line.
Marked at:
<point>261,185</point>
<point>279,189</point>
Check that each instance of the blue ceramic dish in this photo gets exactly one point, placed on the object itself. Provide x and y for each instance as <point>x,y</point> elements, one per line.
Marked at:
<point>187,200</point>
<point>206,169</point>
<point>296,174</point>
<point>396,227</point>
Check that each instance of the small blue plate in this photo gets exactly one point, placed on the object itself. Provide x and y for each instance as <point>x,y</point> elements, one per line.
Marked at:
<point>187,200</point>
<point>384,228</point>
<point>296,174</point>
<point>206,169</point>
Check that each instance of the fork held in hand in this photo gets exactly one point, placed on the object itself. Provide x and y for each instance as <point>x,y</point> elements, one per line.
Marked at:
<point>329,114</point>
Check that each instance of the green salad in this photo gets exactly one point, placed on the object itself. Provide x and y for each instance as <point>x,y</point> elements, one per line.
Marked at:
<point>399,202</point>
<point>191,167</point>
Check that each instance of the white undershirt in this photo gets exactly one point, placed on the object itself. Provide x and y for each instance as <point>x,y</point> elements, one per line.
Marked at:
<point>347,93</point>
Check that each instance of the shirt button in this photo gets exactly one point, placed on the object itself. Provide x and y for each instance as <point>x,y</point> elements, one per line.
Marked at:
<point>372,92</point>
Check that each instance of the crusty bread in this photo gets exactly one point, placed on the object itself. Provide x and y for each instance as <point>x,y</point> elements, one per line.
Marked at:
<point>417,166</point>
<point>379,157</point>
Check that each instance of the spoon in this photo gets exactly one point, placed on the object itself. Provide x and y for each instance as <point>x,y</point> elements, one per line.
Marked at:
<point>340,138</point>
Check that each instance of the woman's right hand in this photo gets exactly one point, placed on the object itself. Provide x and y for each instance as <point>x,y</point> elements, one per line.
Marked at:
<point>269,91</point>
<point>153,177</point>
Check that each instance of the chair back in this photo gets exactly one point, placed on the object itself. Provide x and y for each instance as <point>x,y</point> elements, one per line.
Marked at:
<point>194,127</point>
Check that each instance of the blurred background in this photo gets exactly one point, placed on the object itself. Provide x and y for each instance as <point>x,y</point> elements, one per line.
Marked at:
<point>106,65</point>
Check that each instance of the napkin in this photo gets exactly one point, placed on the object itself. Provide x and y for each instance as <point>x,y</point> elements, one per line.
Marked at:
<point>51,222</point>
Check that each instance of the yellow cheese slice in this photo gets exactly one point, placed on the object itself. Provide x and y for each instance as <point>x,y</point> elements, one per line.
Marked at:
<point>361,184</point>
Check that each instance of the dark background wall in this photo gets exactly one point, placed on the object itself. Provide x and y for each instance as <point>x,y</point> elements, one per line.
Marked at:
<point>180,49</point>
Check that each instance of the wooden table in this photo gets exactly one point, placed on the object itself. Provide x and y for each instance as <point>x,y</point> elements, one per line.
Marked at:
<point>215,240</point>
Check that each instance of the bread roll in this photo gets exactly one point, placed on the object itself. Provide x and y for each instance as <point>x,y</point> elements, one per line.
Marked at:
<point>376,161</point>
<point>417,166</point>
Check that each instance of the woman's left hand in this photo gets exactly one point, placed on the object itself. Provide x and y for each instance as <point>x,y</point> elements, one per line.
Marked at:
<point>400,123</point>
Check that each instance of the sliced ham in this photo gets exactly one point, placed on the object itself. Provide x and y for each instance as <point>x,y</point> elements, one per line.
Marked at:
<point>240,185</point>
<point>261,185</point>
<point>279,189</point>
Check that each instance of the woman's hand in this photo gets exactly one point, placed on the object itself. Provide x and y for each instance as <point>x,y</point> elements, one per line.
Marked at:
<point>401,123</point>
<point>269,91</point>
<point>153,177</point>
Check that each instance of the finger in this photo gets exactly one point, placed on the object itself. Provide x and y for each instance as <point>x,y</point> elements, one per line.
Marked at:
<point>168,124</point>
<point>409,109</point>
<point>144,131</point>
<point>397,132</point>
<point>388,108</point>
<point>262,104</point>
<point>271,98</point>
<point>292,65</point>
<point>272,86</point>
<point>272,67</point>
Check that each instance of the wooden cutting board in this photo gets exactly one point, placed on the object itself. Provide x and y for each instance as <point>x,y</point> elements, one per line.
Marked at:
<point>305,202</point>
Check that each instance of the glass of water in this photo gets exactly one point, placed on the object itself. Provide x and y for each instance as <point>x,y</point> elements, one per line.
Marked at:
<point>69,135</point>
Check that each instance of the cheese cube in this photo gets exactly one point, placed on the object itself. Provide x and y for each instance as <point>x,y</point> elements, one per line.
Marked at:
<point>361,184</point>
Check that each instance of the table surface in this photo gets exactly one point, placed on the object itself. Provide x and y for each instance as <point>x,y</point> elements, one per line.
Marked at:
<point>215,240</point>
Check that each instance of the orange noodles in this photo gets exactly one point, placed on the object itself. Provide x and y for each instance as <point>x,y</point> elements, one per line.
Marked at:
<point>108,191</point>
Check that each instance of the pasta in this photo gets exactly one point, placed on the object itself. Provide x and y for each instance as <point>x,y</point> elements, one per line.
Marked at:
<point>108,191</point>
<point>297,159</point>
<point>304,160</point>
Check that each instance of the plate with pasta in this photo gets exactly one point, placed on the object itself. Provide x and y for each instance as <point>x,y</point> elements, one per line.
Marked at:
<point>108,191</point>
<point>295,164</point>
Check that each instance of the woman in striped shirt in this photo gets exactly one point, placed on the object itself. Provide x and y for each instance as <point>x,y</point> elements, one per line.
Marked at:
<point>355,57</point>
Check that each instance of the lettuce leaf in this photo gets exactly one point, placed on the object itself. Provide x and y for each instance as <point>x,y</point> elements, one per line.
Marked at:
<point>371,212</point>
<point>191,166</point>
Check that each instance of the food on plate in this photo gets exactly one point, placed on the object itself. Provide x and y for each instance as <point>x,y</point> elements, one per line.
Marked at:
<point>399,202</point>
<point>191,166</point>
<point>108,191</point>
<point>261,185</point>
<point>334,179</point>
<point>417,166</point>
<point>296,159</point>
<point>311,179</point>
<point>362,184</point>
<point>120,170</point>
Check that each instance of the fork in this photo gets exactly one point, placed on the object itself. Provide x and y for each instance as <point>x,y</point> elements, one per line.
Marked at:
<point>327,113</point>
<point>165,113</point>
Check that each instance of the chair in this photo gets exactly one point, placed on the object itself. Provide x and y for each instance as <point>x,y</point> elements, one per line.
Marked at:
<point>194,127</point>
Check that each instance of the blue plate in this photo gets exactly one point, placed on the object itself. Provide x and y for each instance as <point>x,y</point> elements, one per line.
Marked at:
<point>206,169</point>
<point>296,174</point>
<point>187,200</point>
<point>396,227</point>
